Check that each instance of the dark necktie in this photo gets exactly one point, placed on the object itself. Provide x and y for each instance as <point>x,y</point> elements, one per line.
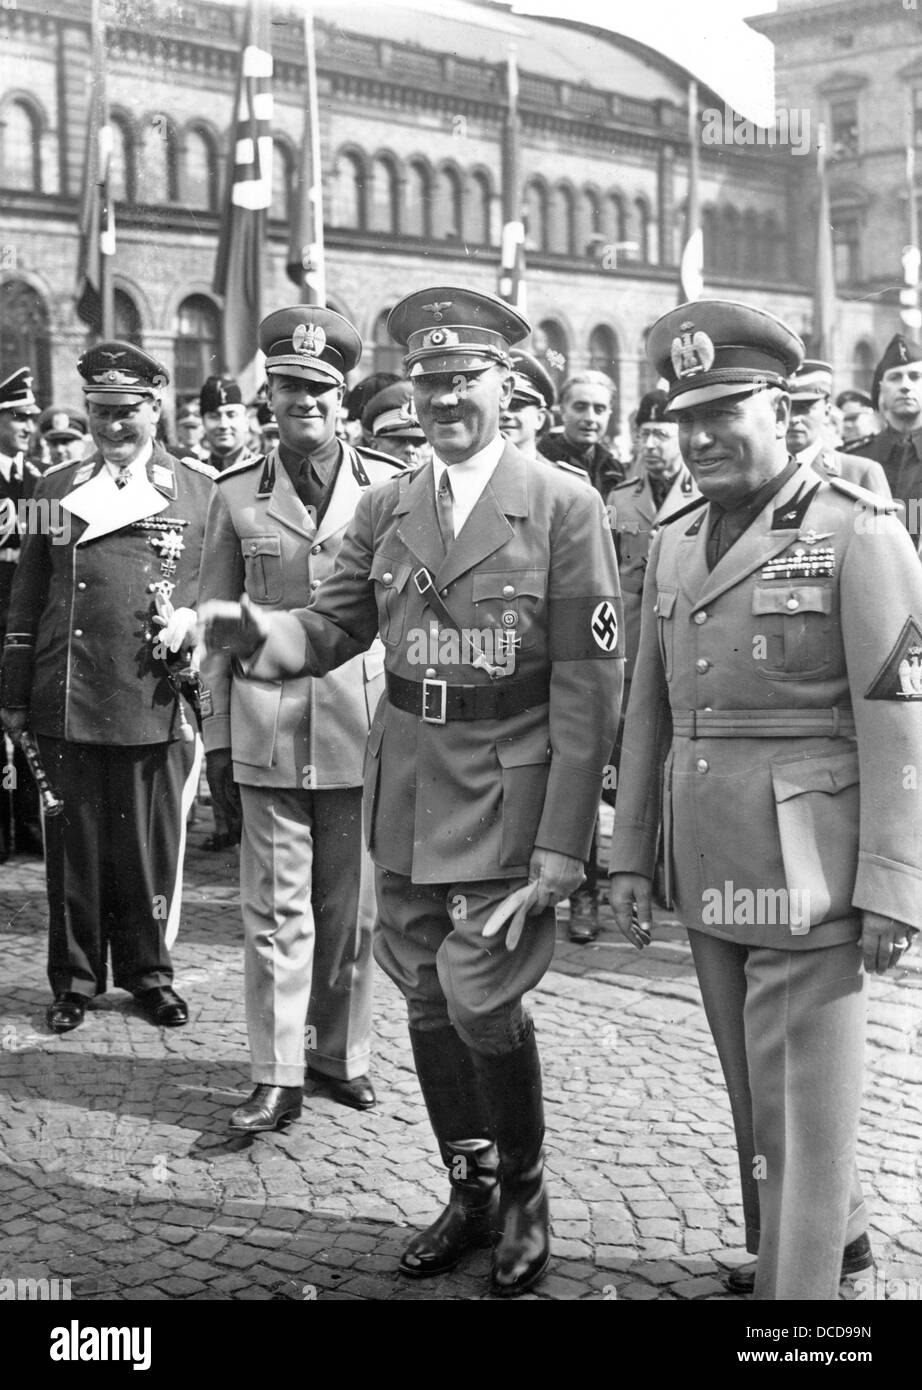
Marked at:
<point>122,476</point>
<point>444,502</point>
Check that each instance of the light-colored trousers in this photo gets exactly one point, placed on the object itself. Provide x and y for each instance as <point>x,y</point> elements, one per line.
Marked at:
<point>789,1027</point>
<point>308,906</point>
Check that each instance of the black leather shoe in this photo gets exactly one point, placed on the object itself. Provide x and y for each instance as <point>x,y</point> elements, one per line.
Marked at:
<point>584,917</point>
<point>66,1012</point>
<point>857,1256</point>
<point>357,1093</point>
<point>163,1006</point>
<point>269,1107</point>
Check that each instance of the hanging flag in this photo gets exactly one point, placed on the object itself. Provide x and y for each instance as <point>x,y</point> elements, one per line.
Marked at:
<point>691,263</point>
<point>910,313</point>
<point>238,270</point>
<point>305,248</point>
<point>824,285</point>
<point>511,286</point>
<point>97,211</point>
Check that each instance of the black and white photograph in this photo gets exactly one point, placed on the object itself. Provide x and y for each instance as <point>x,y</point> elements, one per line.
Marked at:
<point>461,683</point>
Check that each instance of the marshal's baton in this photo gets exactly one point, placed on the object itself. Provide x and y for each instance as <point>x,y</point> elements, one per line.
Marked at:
<point>52,805</point>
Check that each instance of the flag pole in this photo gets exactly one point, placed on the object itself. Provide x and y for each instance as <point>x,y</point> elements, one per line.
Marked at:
<point>306,257</point>
<point>691,265</point>
<point>511,284</point>
<point>824,289</point>
<point>101,134</point>
<point>909,295</point>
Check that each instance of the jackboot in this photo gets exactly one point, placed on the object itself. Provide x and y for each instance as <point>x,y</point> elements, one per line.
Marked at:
<point>511,1086</point>
<point>449,1087</point>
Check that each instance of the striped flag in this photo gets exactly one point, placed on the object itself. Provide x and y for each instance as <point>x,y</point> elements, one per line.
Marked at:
<point>97,211</point>
<point>305,246</point>
<point>511,285</point>
<point>238,271</point>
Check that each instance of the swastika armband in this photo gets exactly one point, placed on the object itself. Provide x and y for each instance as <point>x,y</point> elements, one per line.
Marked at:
<point>582,629</point>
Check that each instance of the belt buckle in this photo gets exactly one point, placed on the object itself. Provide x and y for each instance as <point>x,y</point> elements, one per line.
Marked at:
<point>439,689</point>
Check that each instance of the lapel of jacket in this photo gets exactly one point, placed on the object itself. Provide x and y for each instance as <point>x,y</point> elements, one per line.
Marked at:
<point>643,501</point>
<point>106,508</point>
<point>419,526</point>
<point>343,500</point>
<point>758,544</point>
<point>487,528</point>
<point>285,506</point>
<point>681,492</point>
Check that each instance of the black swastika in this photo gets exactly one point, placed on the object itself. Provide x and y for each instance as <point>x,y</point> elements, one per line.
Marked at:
<point>604,627</point>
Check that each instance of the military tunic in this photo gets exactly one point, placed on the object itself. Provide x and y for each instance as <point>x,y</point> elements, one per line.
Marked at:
<point>80,657</point>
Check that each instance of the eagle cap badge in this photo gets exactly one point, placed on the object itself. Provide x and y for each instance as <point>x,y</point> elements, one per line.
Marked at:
<point>692,351</point>
<point>309,339</point>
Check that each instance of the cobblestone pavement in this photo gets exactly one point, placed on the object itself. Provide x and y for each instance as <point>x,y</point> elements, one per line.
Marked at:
<point>117,1171</point>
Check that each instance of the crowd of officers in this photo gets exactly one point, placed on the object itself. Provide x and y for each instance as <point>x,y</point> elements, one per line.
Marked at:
<point>746,586</point>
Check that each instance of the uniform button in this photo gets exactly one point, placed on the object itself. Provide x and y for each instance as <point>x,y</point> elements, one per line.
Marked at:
<point>81,586</point>
<point>430,673</point>
<point>254,547</point>
<point>387,577</point>
<point>792,603</point>
<point>702,664</point>
<point>701,618</point>
<point>315,583</point>
<point>78,631</point>
<point>315,550</point>
<point>701,765</point>
<point>508,590</point>
<point>444,593</point>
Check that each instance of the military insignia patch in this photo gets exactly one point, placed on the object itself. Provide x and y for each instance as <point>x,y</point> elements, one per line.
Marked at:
<point>440,337</point>
<point>692,352</point>
<point>510,618</point>
<point>83,474</point>
<point>206,703</point>
<point>309,339</point>
<point>900,677</point>
<point>436,309</point>
<point>604,626</point>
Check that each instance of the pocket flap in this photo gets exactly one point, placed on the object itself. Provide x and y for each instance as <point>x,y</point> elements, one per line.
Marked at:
<point>523,752</point>
<point>260,545</point>
<point>792,599</point>
<point>830,773</point>
<point>393,574</point>
<point>665,602</point>
<point>533,583</point>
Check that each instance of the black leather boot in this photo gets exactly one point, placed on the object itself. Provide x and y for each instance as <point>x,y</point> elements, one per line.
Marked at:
<point>511,1086</point>
<point>449,1087</point>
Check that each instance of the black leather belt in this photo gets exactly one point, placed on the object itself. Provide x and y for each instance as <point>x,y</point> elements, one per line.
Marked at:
<point>436,701</point>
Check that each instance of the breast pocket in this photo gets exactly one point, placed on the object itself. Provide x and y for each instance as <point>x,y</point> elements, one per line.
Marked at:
<point>390,580</point>
<point>262,557</point>
<point>794,623</point>
<point>665,626</point>
<point>508,601</point>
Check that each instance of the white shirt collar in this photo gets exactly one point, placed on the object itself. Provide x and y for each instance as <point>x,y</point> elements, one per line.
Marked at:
<point>7,463</point>
<point>468,479</point>
<point>137,466</point>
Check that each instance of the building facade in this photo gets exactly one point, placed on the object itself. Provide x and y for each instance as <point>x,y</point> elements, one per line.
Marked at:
<point>413,110</point>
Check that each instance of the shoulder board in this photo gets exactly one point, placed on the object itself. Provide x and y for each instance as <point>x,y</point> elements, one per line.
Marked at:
<point>30,468</point>
<point>636,483</point>
<point>60,467</point>
<point>396,465</point>
<point>861,494</point>
<point>243,466</point>
<point>566,467</point>
<point>684,511</point>
<point>198,466</point>
<point>855,446</point>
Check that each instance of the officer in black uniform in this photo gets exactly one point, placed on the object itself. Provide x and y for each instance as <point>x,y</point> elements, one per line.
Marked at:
<point>896,394</point>
<point>87,668</point>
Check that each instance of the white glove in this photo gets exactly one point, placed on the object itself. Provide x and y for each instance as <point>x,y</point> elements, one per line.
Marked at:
<point>178,630</point>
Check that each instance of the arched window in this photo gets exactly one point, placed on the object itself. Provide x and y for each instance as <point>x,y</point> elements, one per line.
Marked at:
<point>647,376</point>
<point>446,206</point>
<point>200,170</point>
<point>387,356</point>
<point>21,156</point>
<point>863,362</point>
<point>157,173</point>
<point>121,162</point>
<point>561,229</point>
<point>550,347</point>
<point>282,182</point>
<point>535,202</point>
<point>416,200</point>
<point>347,202</point>
<point>641,231</point>
<point>24,339</point>
<point>731,249</point>
<point>196,344</point>
<point>127,318</point>
<point>477,211</point>
<point>382,204</point>
<point>603,351</point>
<point>614,219</point>
<point>590,232</point>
